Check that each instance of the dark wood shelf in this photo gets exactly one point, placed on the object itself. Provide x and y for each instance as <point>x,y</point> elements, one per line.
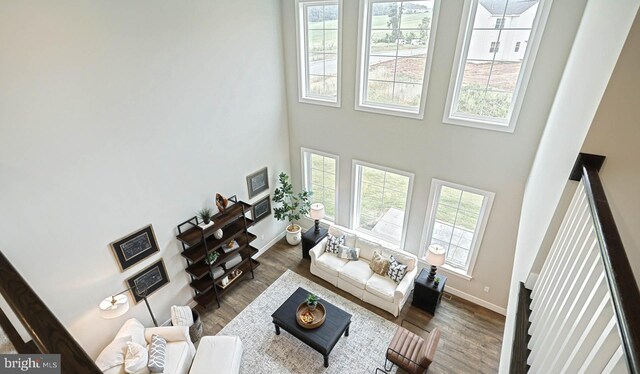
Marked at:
<point>197,252</point>
<point>195,234</point>
<point>209,297</point>
<point>205,283</point>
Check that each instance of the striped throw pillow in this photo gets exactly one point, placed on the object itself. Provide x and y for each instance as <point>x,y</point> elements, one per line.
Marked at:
<point>157,354</point>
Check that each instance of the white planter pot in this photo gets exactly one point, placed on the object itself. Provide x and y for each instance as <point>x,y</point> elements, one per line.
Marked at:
<point>294,236</point>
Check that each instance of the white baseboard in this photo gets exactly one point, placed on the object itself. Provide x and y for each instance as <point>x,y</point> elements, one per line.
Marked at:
<point>269,245</point>
<point>476,300</point>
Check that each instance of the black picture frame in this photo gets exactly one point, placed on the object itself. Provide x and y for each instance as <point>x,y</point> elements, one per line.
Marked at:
<point>151,279</point>
<point>258,182</point>
<point>261,209</point>
<point>135,247</point>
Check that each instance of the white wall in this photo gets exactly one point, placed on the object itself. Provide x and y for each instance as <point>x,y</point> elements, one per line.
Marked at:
<point>117,114</point>
<point>615,133</point>
<point>604,24</point>
<point>493,161</point>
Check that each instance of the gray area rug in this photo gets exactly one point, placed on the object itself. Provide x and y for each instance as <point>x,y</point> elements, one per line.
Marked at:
<point>265,352</point>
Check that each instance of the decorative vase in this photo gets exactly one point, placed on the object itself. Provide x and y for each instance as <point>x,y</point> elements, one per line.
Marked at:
<point>206,221</point>
<point>294,236</point>
<point>312,306</point>
<point>218,234</point>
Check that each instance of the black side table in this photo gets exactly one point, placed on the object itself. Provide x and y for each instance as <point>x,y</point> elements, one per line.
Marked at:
<point>310,239</point>
<point>425,295</point>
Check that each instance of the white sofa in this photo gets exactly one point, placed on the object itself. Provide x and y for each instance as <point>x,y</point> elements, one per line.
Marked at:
<point>218,355</point>
<point>357,278</point>
<point>180,350</point>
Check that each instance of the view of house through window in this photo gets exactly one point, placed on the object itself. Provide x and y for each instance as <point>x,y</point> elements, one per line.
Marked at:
<point>381,201</point>
<point>396,39</point>
<point>319,174</point>
<point>492,59</point>
<point>318,34</point>
<point>457,220</point>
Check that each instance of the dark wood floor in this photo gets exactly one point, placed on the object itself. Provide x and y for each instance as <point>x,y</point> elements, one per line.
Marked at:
<point>471,335</point>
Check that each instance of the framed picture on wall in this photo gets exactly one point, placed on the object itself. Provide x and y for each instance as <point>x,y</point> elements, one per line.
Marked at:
<point>261,209</point>
<point>148,280</point>
<point>258,182</point>
<point>135,247</point>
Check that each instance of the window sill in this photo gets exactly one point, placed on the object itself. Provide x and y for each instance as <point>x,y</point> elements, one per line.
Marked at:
<point>318,101</point>
<point>479,124</point>
<point>449,270</point>
<point>389,111</point>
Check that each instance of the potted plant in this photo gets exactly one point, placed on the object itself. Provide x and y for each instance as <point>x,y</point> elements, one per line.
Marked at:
<point>205,214</point>
<point>436,282</point>
<point>293,207</point>
<point>312,301</point>
<point>211,257</point>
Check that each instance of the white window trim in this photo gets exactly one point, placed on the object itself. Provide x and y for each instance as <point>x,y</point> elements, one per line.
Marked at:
<point>464,35</point>
<point>301,58</point>
<point>429,221</point>
<point>355,201</point>
<point>363,63</point>
<point>306,182</point>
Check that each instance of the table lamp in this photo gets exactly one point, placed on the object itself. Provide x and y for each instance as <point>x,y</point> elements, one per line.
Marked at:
<point>316,213</point>
<point>435,256</point>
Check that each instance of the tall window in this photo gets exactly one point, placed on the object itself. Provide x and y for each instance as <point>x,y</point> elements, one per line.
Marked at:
<point>320,176</point>
<point>381,201</point>
<point>488,84</point>
<point>319,44</point>
<point>395,55</point>
<point>456,220</point>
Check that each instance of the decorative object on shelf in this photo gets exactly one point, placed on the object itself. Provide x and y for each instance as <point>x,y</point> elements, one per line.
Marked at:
<point>218,234</point>
<point>316,213</point>
<point>233,261</point>
<point>435,257</point>
<point>205,214</point>
<point>217,272</point>
<point>150,279</point>
<point>116,305</point>
<point>211,257</point>
<point>261,209</point>
<point>221,202</point>
<point>293,207</point>
<point>231,277</point>
<point>135,247</point>
<point>258,182</point>
<point>312,301</point>
<point>225,281</point>
<point>231,246</point>
<point>436,282</point>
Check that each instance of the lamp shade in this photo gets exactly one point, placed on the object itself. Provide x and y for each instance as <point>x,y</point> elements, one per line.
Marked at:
<point>316,211</point>
<point>114,306</point>
<point>435,255</point>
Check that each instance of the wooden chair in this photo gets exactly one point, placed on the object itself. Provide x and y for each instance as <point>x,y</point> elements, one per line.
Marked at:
<point>411,352</point>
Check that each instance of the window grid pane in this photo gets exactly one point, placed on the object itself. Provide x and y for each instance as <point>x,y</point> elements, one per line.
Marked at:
<point>487,84</point>
<point>321,51</point>
<point>397,52</point>
<point>382,203</point>
<point>456,220</point>
<point>321,176</point>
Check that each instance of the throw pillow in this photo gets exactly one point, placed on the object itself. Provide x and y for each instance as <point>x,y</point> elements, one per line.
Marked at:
<point>379,264</point>
<point>157,354</point>
<point>181,316</point>
<point>136,359</point>
<point>333,243</point>
<point>396,271</point>
<point>351,254</point>
<point>113,354</point>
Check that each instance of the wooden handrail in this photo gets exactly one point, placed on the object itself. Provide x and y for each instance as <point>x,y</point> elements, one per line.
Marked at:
<point>49,335</point>
<point>622,284</point>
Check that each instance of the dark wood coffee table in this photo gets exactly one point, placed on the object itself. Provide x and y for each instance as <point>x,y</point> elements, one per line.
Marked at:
<point>323,338</point>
